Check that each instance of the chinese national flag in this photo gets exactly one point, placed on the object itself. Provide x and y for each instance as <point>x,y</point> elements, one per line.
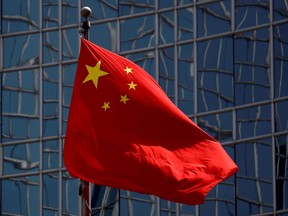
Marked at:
<point>124,132</point>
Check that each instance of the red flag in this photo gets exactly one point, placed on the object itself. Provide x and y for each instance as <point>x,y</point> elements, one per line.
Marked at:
<point>124,132</point>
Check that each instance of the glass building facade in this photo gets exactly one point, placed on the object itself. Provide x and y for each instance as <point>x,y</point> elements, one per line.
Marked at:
<point>223,63</point>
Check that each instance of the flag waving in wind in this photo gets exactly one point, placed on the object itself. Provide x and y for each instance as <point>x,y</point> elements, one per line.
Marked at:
<point>124,132</point>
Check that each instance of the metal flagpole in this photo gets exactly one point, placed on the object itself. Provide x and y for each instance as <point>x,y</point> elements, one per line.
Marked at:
<point>84,188</point>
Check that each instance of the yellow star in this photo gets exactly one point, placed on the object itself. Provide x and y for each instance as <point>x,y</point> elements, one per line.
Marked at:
<point>106,106</point>
<point>128,70</point>
<point>132,85</point>
<point>94,73</point>
<point>124,99</point>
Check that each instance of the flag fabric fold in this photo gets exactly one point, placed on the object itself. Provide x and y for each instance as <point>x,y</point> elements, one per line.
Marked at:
<point>124,132</point>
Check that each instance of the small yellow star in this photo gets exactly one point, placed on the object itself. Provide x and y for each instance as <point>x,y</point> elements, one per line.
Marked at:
<point>132,85</point>
<point>128,70</point>
<point>94,73</point>
<point>106,106</point>
<point>124,99</point>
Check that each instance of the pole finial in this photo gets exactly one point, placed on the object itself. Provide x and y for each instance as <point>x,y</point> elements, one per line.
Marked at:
<point>86,12</point>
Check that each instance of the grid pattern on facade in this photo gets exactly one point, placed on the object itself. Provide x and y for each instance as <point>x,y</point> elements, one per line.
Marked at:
<point>223,63</point>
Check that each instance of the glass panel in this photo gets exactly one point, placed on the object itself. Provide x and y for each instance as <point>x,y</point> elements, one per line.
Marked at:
<point>70,12</point>
<point>280,9</point>
<point>50,154</point>
<point>182,2</point>
<point>20,158</point>
<point>165,3</point>
<point>251,13</point>
<point>281,153</point>
<point>104,200</point>
<point>186,210</point>
<point>102,9</point>
<point>166,27</point>
<point>167,208</point>
<point>281,116</point>
<point>215,74</point>
<point>21,50</point>
<point>105,35</point>
<point>185,24</point>
<point>20,91</point>
<point>51,47</point>
<point>132,203</point>
<point>281,60</point>
<point>50,101</point>
<point>218,126</point>
<point>167,72</point>
<point>20,16</point>
<point>68,75</point>
<point>136,6</point>
<point>254,121</point>
<point>146,60</point>
<point>137,33</point>
<point>70,44</point>
<point>70,195</point>
<point>186,76</point>
<point>50,13</point>
<point>254,178</point>
<point>20,196</point>
<point>252,74</point>
<point>214,18</point>
<point>50,193</point>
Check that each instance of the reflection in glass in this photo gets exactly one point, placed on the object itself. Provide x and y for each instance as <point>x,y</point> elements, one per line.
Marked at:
<point>137,33</point>
<point>19,16</point>
<point>132,203</point>
<point>281,60</point>
<point>280,9</point>
<point>70,44</point>
<point>68,75</point>
<point>166,27</point>
<point>254,121</point>
<point>70,194</point>
<point>20,158</point>
<point>50,154</point>
<point>50,191</point>
<point>251,13</point>
<point>214,18</point>
<point>104,200</point>
<point>20,196</point>
<point>20,117</point>
<point>219,126</point>
<point>69,9</point>
<point>50,13</point>
<point>254,178</point>
<point>281,116</point>
<point>21,50</point>
<point>105,35</point>
<point>132,7</point>
<point>167,72</point>
<point>281,153</point>
<point>252,74</point>
<point>50,101</point>
<point>186,76</point>
<point>185,24</point>
<point>215,74</point>
<point>50,47</point>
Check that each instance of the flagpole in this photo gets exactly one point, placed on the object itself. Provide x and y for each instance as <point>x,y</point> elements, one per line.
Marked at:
<point>84,185</point>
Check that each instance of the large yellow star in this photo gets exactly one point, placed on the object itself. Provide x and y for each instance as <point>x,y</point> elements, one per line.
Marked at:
<point>94,73</point>
<point>124,99</point>
<point>132,85</point>
<point>106,106</point>
<point>128,70</point>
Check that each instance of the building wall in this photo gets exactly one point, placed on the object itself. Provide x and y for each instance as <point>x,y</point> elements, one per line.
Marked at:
<point>223,63</point>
